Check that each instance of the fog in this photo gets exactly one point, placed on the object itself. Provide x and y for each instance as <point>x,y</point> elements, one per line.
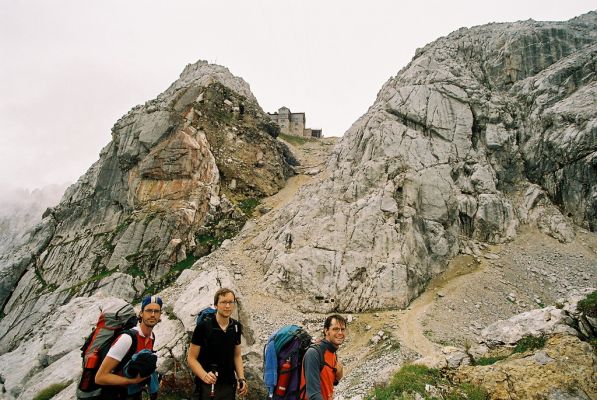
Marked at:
<point>71,68</point>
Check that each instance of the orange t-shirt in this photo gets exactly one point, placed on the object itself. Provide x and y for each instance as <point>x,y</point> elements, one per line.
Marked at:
<point>327,375</point>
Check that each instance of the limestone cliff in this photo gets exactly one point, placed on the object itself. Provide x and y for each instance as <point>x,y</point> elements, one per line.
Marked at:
<point>170,186</point>
<point>483,130</point>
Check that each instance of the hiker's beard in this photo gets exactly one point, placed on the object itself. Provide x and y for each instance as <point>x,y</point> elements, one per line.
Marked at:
<point>150,322</point>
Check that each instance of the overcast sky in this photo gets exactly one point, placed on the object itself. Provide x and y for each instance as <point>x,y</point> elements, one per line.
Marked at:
<point>70,68</point>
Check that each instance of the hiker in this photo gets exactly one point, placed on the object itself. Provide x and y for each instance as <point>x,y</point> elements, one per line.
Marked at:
<point>214,354</point>
<point>141,367</point>
<point>318,377</point>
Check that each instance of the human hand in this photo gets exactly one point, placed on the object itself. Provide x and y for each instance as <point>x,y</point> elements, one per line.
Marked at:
<point>339,370</point>
<point>242,387</point>
<point>210,378</point>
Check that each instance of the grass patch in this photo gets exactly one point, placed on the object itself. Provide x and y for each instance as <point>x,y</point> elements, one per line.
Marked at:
<point>529,343</point>
<point>248,206</point>
<point>51,391</point>
<point>469,392</point>
<point>184,264</point>
<point>207,239</point>
<point>295,140</point>
<point>588,305</point>
<point>135,271</point>
<point>412,379</point>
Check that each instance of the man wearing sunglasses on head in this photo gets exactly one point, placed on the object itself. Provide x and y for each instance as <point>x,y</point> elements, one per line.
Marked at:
<point>214,354</point>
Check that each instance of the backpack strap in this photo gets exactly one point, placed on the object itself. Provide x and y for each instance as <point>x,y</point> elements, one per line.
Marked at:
<point>320,347</point>
<point>132,350</point>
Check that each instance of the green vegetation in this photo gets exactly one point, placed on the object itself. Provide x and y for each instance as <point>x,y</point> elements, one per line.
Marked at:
<point>135,271</point>
<point>588,305</point>
<point>208,239</point>
<point>184,264</point>
<point>295,140</point>
<point>412,379</point>
<point>248,206</point>
<point>171,276</point>
<point>529,343</point>
<point>488,360</point>
<point>40,278</point>
<point>51,391</point>
<point>103,273</point>
<point>469,392</point>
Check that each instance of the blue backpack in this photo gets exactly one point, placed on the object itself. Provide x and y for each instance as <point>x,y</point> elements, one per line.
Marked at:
<point>206,313</point>
<point>287,345</point>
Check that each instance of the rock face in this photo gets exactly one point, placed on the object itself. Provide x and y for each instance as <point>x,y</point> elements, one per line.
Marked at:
<point>485,129</point>
<point>168,188</point>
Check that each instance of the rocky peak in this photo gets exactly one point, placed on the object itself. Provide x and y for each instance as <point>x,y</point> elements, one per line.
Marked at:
<point>169,188</point>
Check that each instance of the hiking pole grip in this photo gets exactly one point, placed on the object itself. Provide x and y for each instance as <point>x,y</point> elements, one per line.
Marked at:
<point>214,369</point>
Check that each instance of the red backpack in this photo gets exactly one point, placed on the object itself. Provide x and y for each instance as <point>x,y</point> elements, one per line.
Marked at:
<point>110,325</point>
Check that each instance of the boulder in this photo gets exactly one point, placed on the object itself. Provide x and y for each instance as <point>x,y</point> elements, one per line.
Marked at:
<point>539,322</point>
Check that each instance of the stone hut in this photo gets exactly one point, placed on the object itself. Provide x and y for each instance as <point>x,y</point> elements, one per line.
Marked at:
<point>293,123</point>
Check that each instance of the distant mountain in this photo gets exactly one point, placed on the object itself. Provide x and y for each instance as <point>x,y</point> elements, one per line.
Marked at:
<point>22,209</point>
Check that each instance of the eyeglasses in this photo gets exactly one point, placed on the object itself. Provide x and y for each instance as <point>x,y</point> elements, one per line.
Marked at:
<point>227,303</point>
<point>148,311</point>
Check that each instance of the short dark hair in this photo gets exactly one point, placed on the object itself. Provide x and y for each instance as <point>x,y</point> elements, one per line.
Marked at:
<point>328,321</point>
<point>222,292</point>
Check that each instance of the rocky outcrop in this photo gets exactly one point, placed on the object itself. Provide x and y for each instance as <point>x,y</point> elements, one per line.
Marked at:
<point>485,129</point>
<point>541,353</point>
<point>563,369</point>
<point>169,188</point>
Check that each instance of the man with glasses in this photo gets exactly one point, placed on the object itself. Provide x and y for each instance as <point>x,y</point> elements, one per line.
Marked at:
<point>130,343</point>
<point>321,369</point>
<point>214,354</point>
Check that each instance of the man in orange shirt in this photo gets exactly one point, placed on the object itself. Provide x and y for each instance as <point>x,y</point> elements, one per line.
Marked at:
<point>321,369</point>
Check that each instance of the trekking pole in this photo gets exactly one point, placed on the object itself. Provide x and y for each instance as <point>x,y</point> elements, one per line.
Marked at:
<point>212,392</point>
